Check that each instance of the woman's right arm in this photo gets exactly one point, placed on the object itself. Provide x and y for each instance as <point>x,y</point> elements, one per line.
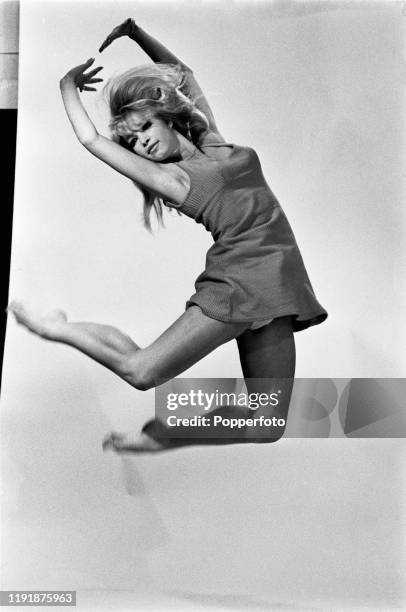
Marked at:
<point>72,81</point>
<point>154,176</point>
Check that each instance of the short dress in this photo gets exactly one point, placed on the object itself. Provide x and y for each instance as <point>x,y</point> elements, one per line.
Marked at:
<point>254,270</point>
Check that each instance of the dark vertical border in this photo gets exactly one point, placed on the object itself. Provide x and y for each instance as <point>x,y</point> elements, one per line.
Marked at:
<point>8,130</point>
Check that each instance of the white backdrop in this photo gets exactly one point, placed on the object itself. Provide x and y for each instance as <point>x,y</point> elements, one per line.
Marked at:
<point>315,88</point>
<point>316,92</point>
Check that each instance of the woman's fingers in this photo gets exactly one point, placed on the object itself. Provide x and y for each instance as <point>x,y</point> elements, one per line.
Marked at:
<point>114,34</point>
<point>105,44</point>
<point>124,29</point>
<point>86,65</point>
<point>84,79</point>
<point>94,71</point>
<point>79,70</point>
<point>86,82</point>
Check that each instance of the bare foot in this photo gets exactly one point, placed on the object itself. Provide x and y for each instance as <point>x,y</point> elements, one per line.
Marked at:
<point>47,326</point>
<point>131,443</point>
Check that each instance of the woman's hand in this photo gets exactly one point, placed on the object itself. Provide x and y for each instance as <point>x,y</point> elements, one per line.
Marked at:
<point>79,79</point>
<point>124,29</point>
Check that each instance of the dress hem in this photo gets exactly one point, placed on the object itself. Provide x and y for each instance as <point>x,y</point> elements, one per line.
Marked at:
<point>314,318</point>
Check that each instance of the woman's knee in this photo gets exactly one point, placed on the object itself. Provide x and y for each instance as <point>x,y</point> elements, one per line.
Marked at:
<point>136,371</point>
<point>266,440</point>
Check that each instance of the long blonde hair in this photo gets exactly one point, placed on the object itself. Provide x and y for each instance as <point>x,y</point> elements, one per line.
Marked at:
<point>157,89</point>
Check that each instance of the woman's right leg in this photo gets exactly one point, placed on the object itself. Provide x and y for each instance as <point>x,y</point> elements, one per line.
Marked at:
<point>190,338</point>
<point>264,354</point>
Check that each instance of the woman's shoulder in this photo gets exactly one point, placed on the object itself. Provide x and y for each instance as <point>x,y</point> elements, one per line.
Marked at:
<point>213,139</point>
<point>209,138</point>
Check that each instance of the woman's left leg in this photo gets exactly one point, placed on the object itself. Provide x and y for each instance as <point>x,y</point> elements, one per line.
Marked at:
<point>268,361</point>
<point>267,358</point>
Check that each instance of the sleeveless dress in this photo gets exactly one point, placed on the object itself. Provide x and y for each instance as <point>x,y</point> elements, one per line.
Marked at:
<point>254,270</point>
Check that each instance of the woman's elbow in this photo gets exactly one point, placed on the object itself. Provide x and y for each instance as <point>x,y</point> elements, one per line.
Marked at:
<point>88,139</point>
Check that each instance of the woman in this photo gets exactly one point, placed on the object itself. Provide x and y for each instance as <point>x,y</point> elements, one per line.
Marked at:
<point>254,289</point>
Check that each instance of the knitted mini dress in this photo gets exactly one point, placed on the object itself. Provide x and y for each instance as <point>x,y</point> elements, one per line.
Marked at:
<point>254,270</point>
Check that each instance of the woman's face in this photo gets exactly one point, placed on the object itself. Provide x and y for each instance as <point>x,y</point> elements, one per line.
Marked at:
<point>151,137</point>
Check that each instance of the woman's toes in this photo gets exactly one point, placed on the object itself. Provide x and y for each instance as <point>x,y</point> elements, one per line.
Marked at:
<point>46,326</point>
<point>108,441</point>
<point>17,308</point>
<point>24,316</point>
<point>130,443</point>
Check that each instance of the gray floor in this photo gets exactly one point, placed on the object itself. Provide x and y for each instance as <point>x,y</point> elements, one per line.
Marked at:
<point>302,524</point>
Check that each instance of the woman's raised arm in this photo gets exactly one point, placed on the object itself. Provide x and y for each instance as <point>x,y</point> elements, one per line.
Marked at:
<point>159,53</point>
<point>152,175</point>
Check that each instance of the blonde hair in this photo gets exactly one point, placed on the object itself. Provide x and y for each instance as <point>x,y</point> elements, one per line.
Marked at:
<point>155,89</point>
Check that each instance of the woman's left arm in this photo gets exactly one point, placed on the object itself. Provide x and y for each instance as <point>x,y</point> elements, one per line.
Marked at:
<point>154,176</point>
<point>159,53</point>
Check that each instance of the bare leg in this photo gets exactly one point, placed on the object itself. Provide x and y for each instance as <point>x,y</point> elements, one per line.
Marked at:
<point>103,343</point>
<point>188,340</point>
<point>268,361</point>
<point>185,342</point>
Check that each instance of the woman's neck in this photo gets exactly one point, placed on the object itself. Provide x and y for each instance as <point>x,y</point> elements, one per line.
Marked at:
<point>186,147</point>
